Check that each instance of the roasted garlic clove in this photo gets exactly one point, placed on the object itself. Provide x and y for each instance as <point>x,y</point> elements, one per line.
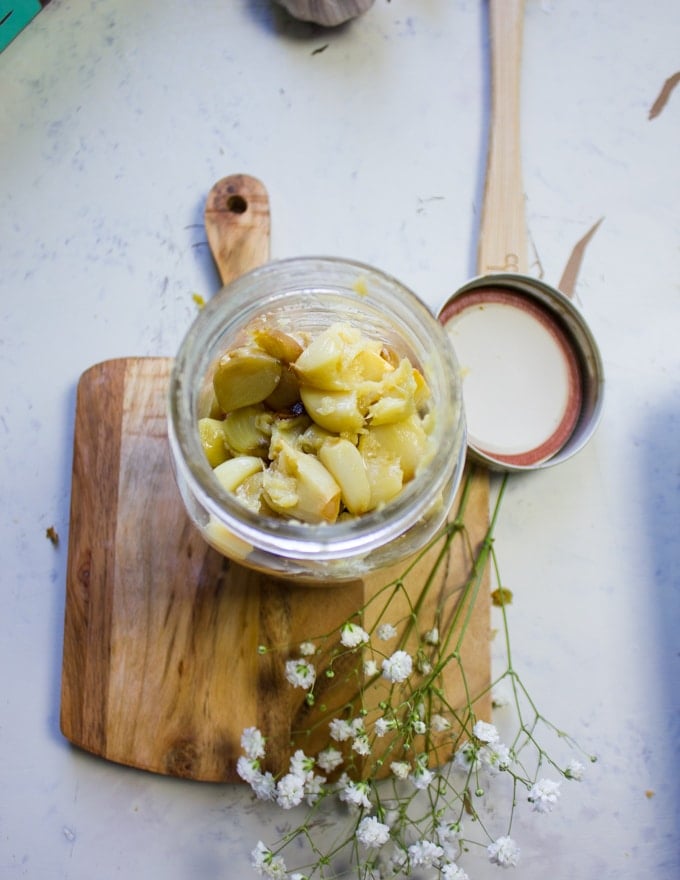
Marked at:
<point>385,477</point>
<point>251,494</point>
<point>405,441</point>
<point>247,430</point>
<point>343,461</point>
<point>211,432</point>
<point>336,411</point>
<point>234,471</point>
<point>298,485</point>
<point>245,376</point>
<point>322,364</point>
<point>277,343</point>
<point>369,364</point>
<point>286,396</point>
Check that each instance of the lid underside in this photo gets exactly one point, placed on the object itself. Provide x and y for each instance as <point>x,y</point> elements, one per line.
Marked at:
<point>521,378</point>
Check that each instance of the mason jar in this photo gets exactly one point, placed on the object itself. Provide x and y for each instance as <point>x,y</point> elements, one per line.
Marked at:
<point>305,296</point>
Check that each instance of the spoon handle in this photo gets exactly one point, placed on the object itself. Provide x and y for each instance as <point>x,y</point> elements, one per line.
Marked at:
<point>237,223</point>
<point>503,237</point>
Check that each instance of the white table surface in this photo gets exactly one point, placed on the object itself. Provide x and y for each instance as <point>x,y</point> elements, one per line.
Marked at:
<point>115,121</point>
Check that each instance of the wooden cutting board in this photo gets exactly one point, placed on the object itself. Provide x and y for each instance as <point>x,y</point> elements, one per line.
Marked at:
<point>161,668</point>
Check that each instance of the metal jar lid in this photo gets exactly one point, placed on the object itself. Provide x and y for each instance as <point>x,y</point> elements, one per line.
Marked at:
<point>532,372</point>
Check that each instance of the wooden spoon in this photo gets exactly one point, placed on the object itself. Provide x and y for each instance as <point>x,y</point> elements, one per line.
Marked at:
<point>502,243</point>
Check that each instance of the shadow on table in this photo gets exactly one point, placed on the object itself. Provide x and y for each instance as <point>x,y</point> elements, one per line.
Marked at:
<point>661,517</point>
<point>64,462</point>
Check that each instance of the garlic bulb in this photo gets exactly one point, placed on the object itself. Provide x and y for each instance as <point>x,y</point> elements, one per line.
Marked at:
<point>326,12</point>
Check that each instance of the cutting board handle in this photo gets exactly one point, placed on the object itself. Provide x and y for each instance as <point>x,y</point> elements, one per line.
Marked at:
<point>503,237</point>
<point>237,222</point>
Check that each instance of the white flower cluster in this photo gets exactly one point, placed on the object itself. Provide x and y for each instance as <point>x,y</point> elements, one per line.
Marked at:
<point>300,784</point>
<point>267,864</point>
<point>504,852</point>
<point>543,795</point>
<point>484,750</point>
<point>379,830</point>
<point>396,668</point>
<point>303,783</point>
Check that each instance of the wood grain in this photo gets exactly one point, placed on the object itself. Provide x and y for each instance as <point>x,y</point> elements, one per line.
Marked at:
<point>503,236</point>
<point>161,669</point>
<point>237,223</point>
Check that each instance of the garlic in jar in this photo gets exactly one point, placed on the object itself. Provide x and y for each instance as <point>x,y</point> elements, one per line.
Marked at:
<point>350,432</point>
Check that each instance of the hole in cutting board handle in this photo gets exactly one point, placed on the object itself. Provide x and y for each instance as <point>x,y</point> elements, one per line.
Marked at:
<point>237,204</point>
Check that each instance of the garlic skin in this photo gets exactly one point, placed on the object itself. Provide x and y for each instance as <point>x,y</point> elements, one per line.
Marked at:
<point>328,13</point>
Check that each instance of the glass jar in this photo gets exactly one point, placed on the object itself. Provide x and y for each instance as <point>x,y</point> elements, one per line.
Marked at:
<point>307,295</point>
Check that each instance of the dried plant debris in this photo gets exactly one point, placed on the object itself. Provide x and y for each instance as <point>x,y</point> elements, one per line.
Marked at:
<point>664,95</point>
<point>501,596</point>
<point>52,535</point>
<point>568,280</point>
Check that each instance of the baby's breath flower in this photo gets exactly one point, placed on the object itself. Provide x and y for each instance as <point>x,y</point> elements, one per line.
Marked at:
<point>398,862</point>
<point>449,832</point>
<point>264,787</point>
<point>252,743</point>
<point>370,668</point>
<point>340,729</point>
<point>372,833</point>
<point>503,852</point>
<point>386,632</point>
<point>438,724</point>
<point>383,726</point>
<point>575,770</point>
<point>495,757</point>
<point>248,769</point>
<point>356,794</point>
<point>300,673</point>
<point>290,790</point>
<point>414,831</point>
<point>544,794</point>
<point>361,745</point>
<point>425,853</point>
<point>301,765</point>
<point>448,835</point>
<point>466,758</point>
<point>266,863</point>
<point>485,732</point>
<point>422,776</point>
<point>499,699</point>
<point>352,635</point>
<point>431,637</point>
<point>398,667</point>
<point>259,854</point>
<point>329,759</point>
<point>401,769</point>
<point>453,872</point>
<point>314,788</point>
